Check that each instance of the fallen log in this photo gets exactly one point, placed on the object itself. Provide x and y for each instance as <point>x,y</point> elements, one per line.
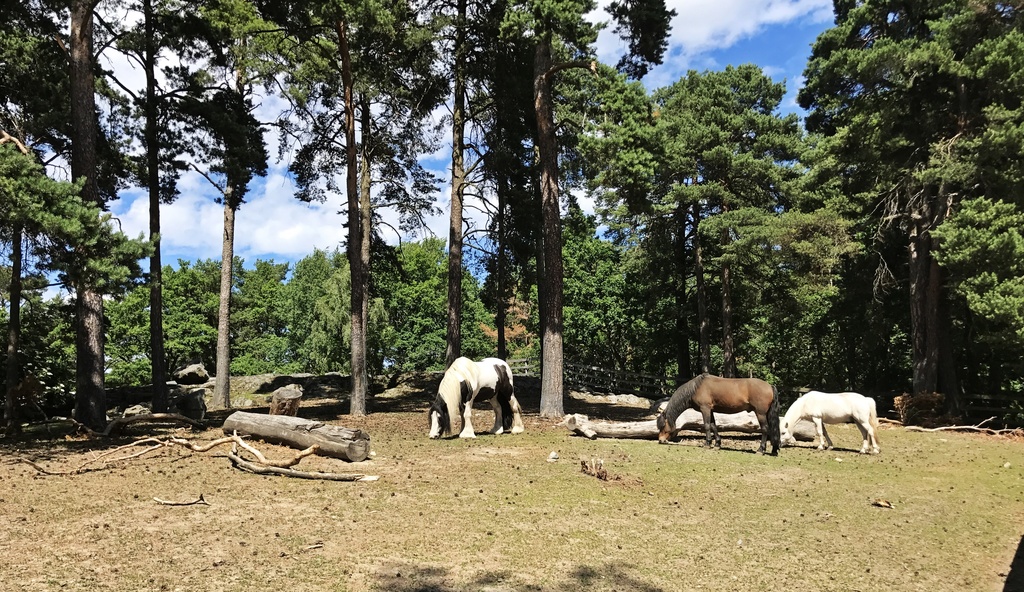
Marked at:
<point>690,420</point>
<point>331,440</point>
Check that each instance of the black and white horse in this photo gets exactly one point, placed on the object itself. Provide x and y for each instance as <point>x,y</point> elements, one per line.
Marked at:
<point>465,381</point>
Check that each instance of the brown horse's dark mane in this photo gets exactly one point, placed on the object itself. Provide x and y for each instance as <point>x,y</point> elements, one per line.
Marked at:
<point>680,400</point>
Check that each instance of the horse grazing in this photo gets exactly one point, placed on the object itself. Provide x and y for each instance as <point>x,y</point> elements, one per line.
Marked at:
<point>708,393</point>
<point>466,381</point>
<point>823,408</point>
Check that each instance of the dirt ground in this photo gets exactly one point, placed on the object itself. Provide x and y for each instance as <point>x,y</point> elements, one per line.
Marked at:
<point>498,513</point>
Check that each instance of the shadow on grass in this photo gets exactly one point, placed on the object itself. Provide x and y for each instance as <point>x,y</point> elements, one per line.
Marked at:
<point>1015,577</point>
<point>406,577</point>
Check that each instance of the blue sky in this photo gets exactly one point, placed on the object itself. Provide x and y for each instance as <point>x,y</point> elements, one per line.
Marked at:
<point>706,35</point>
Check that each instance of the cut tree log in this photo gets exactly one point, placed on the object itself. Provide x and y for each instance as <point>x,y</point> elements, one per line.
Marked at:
<point>333,441</point>
<point>286,400</point>
<point>690,420</point>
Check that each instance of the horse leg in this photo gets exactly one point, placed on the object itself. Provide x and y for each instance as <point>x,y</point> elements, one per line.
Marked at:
<point>709,420</point>
<point>497,429</point>
<point>714,427</point>
<point>868,436</point>
<point>762,420</point>
<point>819,429</point>
<point>824,431</point>
<point>467,421</point>
<point>517,416</point>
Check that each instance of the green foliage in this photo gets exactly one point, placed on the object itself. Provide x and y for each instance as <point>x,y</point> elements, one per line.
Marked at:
<point>259,342</point>
<point>982,246</point>
<point>416,308</point>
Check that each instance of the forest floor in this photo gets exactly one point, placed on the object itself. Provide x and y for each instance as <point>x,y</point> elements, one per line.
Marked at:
<point>496,513</point>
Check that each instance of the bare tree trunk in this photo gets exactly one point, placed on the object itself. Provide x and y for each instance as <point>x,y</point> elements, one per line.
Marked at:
<point>357,399</point>
<point>222,382</point>
<point>704,322</point>
<point>551,324</point>
<point>925,357</point>
<point>14,331</point>
<point>458,180</point>
<point>156,299</point>
<point>90,398</point>
<point>499,270</point>
<point>728,348</point>
<point>679,286</point>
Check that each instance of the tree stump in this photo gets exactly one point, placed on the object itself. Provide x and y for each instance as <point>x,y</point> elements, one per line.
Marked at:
<point>334,441</point>
<point>286,400</point>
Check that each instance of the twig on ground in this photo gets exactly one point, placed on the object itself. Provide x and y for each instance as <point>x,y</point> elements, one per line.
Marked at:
<point>198,501</point>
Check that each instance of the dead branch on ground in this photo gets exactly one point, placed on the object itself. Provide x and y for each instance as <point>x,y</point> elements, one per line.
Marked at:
<point>971,428</point>
<point>261,469</point>
<point>262,465</point>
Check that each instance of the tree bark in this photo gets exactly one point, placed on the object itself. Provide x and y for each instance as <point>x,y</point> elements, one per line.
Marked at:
<point>728,347</point>
<point>222,382</point>
<point>156,300</point>
<point>90,398</point>
<point>333,441</point>
<point>704,336</point>
<point>551,404</point>
<point>14,331</point>
<point>454,340</point>
<point>679,287</point>
<point>360,375</point>
<point>357,398</point>
<point>501,306</point>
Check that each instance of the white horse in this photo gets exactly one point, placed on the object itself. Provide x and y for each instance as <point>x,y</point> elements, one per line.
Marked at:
<point>464,382</point>
<point>823,408</point>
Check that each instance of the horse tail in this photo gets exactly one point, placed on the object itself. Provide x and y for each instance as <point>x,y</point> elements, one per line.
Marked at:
<point>774,432</point>
<point>873,417</point>
<point>504,391</point>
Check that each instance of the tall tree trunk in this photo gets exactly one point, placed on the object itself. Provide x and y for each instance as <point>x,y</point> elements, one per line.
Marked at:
<point>14,331</point>
<point>501,299</point>
<point>156,299</point>
<point>365,227</point>
<point>679,286</point>
<point>551,322</point>
<point>934,364</point>
<point>357,399</point>
<point>90,398</point>
<point>925,357</point>
<point>454,339</point>
<point>728,347</point>
<point>704,323</point>
<point>222,382</point>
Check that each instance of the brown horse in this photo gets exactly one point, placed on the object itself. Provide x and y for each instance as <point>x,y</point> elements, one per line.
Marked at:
<point>708,393</point>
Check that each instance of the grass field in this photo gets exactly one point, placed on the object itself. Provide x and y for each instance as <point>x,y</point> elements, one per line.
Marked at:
<point>495,514</point>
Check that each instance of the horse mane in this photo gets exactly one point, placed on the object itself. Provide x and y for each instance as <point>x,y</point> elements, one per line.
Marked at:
<point>680,400</point>
<point>450,390</point>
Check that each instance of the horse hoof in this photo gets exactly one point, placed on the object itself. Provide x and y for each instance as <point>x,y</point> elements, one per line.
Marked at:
<point>518,430</point>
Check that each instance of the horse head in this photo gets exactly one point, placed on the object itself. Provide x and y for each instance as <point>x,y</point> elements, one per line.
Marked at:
<point>786,437</point>
<point>666,431</point>
<point>440,422</point>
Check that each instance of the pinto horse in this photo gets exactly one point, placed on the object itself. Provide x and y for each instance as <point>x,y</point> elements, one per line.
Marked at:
<point>464,382</point>
<point>708,393</point>
<point>823,408</point>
